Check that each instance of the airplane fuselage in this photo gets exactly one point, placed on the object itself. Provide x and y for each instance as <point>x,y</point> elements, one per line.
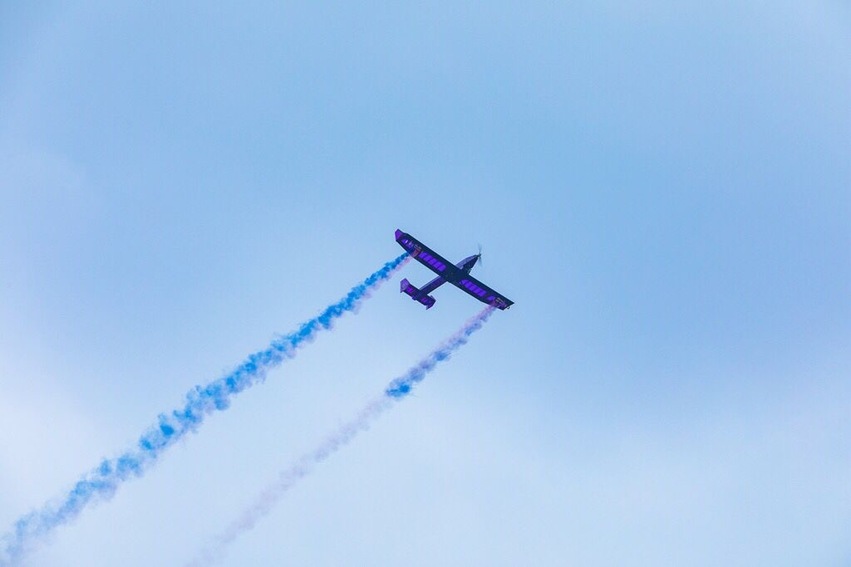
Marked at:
<point>464,266</point>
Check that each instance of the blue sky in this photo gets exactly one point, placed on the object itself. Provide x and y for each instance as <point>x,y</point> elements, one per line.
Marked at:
<point>661,187</point>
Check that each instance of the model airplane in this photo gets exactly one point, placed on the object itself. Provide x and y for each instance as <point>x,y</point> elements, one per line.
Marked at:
<point>458,275</point>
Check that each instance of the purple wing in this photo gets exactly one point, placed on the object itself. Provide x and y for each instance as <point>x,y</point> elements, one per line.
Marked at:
<point>482,292</point>
<point>426,256</point>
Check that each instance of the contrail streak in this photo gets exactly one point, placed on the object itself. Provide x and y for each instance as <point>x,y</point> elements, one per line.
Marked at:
<point>396,390</point>
<point>101,482</point>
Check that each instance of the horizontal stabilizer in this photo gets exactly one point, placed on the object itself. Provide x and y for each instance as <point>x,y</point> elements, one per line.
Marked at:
<point>415,294</point>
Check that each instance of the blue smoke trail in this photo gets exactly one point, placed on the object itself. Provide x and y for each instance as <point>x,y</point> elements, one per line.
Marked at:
<point>102,482</point>
<point>395,391</point>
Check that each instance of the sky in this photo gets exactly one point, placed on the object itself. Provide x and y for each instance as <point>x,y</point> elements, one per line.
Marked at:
<point>662,188</point>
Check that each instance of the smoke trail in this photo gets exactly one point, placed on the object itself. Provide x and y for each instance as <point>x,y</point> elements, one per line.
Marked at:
<point>102,482</point>
<point>396,390</point>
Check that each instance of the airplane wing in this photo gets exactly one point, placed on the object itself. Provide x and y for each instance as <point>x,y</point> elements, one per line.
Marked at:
<point>482,292</point>
<point>426,256</point>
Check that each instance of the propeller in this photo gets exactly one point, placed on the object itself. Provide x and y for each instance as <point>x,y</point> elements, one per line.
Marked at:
<point>479,254</point>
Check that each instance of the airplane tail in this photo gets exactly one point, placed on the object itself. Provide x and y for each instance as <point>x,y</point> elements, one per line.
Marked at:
<point>411,290</point>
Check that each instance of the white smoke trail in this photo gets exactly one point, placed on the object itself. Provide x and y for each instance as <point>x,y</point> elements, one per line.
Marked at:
<point>396,390</point>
